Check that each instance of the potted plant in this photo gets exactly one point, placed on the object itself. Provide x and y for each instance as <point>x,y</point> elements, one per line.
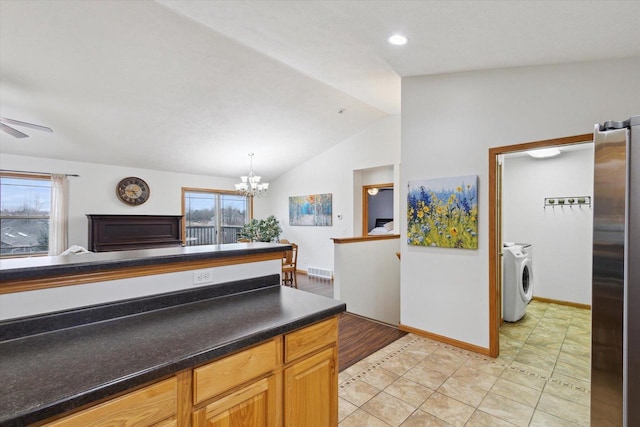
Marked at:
<point>263,230</point>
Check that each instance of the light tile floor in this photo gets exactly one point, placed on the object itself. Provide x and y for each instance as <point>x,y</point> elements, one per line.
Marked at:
<point>542,378</point>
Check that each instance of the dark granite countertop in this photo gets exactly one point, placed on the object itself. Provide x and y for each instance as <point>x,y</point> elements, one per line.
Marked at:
<point>49,266</point>
<point>47,373</point>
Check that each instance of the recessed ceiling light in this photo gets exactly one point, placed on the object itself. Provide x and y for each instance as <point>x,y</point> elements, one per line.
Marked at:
<point>398,40</point>
<point>544,152</point>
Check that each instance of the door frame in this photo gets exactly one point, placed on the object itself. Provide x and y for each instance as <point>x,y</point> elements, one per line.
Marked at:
<point>495,229</point>
<point>365,203</point>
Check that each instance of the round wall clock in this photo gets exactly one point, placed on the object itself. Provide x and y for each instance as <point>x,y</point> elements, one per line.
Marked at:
<point>133,191</point>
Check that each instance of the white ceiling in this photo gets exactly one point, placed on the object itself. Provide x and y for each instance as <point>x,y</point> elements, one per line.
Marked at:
<point>193,86</point>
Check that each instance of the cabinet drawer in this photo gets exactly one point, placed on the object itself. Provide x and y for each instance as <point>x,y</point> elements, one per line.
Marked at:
<point>144,407</point>
<point>222,375</point>
<point>307,340</point>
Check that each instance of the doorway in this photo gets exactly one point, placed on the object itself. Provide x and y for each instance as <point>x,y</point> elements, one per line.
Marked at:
<point>495,229</point>
<point>377,206</point>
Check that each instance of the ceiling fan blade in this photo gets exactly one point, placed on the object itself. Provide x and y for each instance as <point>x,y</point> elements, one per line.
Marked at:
<point>12,131</point>
<point>25,124</point>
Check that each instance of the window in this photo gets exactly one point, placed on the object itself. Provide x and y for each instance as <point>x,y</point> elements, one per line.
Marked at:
<point>213,216</point>
<point>25,204</point>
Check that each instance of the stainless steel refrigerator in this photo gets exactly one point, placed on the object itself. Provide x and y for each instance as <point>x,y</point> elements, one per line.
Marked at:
<point>615,333</point>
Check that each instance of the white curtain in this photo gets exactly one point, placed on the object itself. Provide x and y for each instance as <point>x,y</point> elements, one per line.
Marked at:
<point>58,228</point>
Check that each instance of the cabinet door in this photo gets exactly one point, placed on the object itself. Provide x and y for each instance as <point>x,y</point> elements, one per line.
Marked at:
<point>253,405</point>
<point>311,391</point>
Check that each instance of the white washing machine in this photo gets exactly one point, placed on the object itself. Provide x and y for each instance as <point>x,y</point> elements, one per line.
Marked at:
<point>517,281</point>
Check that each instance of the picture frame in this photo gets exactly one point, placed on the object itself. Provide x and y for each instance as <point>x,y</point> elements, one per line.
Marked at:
<point>443,212</point>
<point>311,210</point>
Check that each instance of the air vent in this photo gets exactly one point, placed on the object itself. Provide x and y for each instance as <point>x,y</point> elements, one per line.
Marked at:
<point>323,273</point>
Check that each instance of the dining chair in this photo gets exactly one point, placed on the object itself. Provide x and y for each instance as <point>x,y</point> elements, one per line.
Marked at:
<point>289,264</point>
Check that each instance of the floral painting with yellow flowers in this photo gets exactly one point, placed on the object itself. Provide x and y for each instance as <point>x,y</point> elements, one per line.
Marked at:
<point>443,212</point>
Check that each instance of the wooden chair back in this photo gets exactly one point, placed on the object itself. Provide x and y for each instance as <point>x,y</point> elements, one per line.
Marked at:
<point>289,266</point>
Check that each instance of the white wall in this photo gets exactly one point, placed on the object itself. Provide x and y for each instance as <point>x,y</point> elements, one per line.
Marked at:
<point>448,124</point>
<point>561,237</point>
<point>367,278</point>
<point>94,191</point>
<point>330,172</point>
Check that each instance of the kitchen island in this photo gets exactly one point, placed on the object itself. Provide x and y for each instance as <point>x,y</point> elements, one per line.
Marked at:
<point>248,348</point>
<point>182,336</point>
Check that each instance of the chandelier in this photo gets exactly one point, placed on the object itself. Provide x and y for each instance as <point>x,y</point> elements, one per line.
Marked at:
<point>251,185</point>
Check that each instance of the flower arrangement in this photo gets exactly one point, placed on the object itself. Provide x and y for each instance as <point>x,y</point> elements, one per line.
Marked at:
<point>263,230</point>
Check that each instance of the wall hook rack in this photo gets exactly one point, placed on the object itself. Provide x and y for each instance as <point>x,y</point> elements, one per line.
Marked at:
<point>567,201</point>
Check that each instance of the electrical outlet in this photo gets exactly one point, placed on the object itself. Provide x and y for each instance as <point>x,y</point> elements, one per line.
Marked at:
<point>202,276</point>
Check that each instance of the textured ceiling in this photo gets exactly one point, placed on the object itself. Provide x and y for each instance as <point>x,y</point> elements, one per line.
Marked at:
<point>193,86</point>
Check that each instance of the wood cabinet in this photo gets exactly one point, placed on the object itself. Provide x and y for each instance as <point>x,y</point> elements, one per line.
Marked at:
<point>311,391</point>
<point>304,342</point>
<point>241,389</point>
<point>289,380</point>
<point>155,405</point>
<point>311,377</point>
<point>253,405</point>
<point>224,374</point>
<point>245,389</point>
<point>127,232</point>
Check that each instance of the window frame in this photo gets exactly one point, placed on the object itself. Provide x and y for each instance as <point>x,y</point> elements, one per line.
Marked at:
<point>209,191</point>
<point>31,176</point>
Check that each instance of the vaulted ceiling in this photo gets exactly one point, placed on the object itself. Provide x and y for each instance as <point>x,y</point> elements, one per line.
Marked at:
<point>194,86</point>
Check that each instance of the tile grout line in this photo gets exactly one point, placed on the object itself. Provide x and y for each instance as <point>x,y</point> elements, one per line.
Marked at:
<point>379,363</point>
<point>556,358</point>
<point>506,364</point>
<point>376,364</point>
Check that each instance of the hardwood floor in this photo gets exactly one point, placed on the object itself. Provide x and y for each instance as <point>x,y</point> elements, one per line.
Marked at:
<point>358,337</point>
<point>314,285</point>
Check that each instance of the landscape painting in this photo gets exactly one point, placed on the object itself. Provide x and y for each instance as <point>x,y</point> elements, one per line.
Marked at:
<point>443,212</point>
<point>313,209</point>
